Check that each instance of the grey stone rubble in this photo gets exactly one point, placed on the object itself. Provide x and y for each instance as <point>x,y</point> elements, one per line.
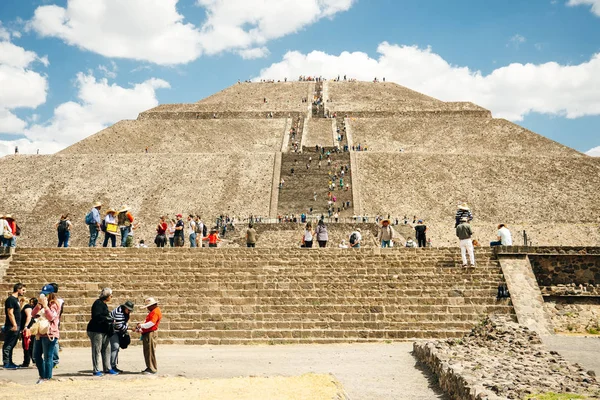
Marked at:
<point>500,359</point>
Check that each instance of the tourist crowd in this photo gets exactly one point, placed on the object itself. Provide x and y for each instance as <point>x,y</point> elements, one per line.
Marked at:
<point>36,322</point>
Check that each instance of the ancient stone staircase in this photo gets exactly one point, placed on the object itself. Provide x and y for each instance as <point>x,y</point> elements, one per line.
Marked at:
<point>297,194</point>
<point>241,296</point>
<point>318,108</point>
<point>298,124</point>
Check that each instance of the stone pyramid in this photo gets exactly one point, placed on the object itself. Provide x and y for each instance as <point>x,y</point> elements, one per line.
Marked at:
<point>227,153</point>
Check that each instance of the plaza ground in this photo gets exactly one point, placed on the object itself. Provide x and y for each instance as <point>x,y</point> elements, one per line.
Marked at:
<point>365,371</point>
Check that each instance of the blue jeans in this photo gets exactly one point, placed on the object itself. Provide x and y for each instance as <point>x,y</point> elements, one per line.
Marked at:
<point>124,233</point>
<point>112,238</point>
<point>193,239</point>
<point>385,243</point>
<point>44,347</point>
<point>55,358</point>
<point>93,235</point>
<point>498,243</point>
<point>63,240</point>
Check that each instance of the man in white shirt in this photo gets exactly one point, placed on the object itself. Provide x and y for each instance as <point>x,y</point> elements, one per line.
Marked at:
<point>192,230</point>
<point>504,237</point>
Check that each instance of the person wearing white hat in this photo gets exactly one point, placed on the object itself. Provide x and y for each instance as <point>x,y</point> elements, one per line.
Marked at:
<point>149,335</point>
<point>463,211</point>
<point>465,233</point>
<point>93,221</point>
<point>110,234</point>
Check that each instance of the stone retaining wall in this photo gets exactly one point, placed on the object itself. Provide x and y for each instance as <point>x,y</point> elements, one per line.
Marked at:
<point>500,359</point>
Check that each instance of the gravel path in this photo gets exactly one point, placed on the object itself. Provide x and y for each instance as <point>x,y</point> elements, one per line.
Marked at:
<point>366,371</point>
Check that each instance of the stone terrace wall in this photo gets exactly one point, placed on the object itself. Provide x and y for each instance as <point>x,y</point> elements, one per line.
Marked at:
<point>567,277</point>
<point>452,134</point>
<point>364,97</point>
<point>250,97</point>
<point>527,192</point>
<point>552,270</point>
<point>319,132</point>
<point>289,234</point>
<point>185,136</point>
<point>40,188</point>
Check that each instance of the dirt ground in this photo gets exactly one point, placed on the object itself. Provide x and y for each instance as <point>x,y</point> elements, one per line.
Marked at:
<point>370,371</point>
<point>308,386</point>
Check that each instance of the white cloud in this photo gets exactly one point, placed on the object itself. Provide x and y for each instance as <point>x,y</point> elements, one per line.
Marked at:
<point>99,105</point>
<point>594,3</point>
<point>256,52</point>
<point>154,31</point>
<point>109,71</point>
<point>4,34</point>
<point>510,91</point>
<point>149,30</point>
<point>516,41</point>
<point>21,86</point>
<point>242,24</point>
<point>595,152</point>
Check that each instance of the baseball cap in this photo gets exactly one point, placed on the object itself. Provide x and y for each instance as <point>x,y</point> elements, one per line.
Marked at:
<point>47,289</point>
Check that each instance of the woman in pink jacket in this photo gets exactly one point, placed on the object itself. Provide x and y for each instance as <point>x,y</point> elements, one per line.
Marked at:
<point>44,344</point>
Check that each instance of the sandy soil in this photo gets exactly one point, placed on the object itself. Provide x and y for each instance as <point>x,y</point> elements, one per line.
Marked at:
<point>308,386</point>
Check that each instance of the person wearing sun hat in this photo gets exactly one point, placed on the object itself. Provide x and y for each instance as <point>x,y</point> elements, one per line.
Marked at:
<point>463,212</point>
<point>386,234</point>
<point>125,221</point>
<point>149,336</point>
<point>110,219</point>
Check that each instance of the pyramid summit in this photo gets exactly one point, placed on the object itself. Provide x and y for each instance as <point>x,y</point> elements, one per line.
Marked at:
<point>228,153</point>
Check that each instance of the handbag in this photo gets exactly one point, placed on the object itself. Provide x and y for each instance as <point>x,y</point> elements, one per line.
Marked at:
<point>7,234</point>
<point>41,326</point>
<point>124,340</point>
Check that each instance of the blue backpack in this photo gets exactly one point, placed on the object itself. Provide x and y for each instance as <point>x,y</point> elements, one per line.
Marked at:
<point>89,218</point>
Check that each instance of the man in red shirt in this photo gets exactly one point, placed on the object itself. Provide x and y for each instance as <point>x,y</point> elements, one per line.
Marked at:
<point>149,335</point>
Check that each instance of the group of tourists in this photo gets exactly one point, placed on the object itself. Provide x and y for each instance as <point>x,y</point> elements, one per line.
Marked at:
<point>109,332</point>
<point>37,323</point>
<point>114,222</point>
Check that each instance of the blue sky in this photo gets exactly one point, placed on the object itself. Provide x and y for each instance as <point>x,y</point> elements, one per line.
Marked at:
<point>68,69</point>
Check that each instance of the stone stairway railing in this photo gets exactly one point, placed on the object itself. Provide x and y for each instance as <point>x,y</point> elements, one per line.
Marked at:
<point>236,296</point>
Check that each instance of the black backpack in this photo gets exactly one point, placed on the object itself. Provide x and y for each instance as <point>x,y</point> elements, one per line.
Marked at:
<point>204,230</point>
<point>62,226</point>
<point>353,238</point>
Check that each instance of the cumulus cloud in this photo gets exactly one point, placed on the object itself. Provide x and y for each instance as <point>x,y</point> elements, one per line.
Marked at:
<point>594,3</point>
<point>595,152</point>
<point>149,30</point>
<point>510,92</point>
<point>154,31</point>
<point>256,52</point>
<point>241,24</point>
<point>22,87</point>
<point>99,105</point>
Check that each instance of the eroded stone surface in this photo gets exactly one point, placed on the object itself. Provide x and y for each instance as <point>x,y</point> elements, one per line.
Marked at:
<point>500,359</point>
